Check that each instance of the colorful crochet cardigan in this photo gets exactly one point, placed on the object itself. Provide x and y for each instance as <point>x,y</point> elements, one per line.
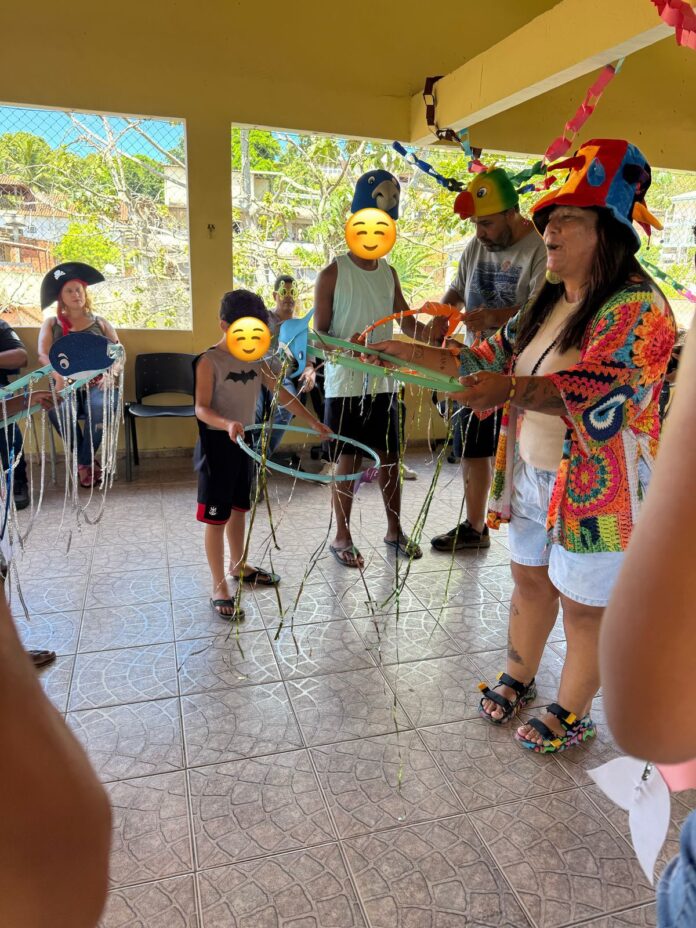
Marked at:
<point>611,398</point>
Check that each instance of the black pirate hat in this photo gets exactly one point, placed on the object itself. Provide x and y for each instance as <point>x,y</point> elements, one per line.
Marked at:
<point>59,276</point>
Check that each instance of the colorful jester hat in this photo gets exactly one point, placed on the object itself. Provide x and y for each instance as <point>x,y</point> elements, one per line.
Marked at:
<point>490,192</point>
<point>377,190</point>
<point>606,173</point>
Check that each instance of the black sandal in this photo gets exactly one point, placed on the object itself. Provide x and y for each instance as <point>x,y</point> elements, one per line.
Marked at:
<point>526,692</point>
<point>575,731</point>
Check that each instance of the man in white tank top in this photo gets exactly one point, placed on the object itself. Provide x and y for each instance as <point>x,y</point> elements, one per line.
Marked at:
<point>350,294</point>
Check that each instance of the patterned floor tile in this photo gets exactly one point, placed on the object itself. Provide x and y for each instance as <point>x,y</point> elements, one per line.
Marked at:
<point>682,805</point>
<point>255,807</point>
<point>131,741</point>
<point>563,858</point>
<point>129,555</point>
<point>414,636</point>
<point>55,680</point>
<point>53,562</point>
<point>486,766</point>
<point>127,588</point>
<point>381,782</point>
<point>443,689</point>
<point>230,659</point>
<point>165,904</point>
<point>57,631</point>
<point>644,916</point>
<point>477,628</point>
<point>107,678</point>
<point>341,706</point>
<point>302,889</point>
<point>325,647</point>
<point>195,618</point>
<point>150,830</point>
<point>112,532</point>
<point>490,663</point>
<point>436,875</point>
<point>232,724</point>
<point>438,591</point>
<point>191,580</point>
<point>126,627</point>
<point>358,598</point>
<point>317,603</point>
<point>496,579</point>
<point>61,594</point>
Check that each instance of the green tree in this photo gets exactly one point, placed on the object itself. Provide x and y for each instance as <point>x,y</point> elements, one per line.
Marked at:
<point>85,241</point>
<point>27,157</point>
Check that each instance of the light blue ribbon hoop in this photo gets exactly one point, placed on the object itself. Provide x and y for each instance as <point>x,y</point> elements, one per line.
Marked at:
<point>301,474</point>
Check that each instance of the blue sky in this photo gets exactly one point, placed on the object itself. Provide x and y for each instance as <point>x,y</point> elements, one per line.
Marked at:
<point>56,128</point>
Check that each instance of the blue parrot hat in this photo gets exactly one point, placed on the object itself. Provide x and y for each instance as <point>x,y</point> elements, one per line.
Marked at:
<point>377,190</point>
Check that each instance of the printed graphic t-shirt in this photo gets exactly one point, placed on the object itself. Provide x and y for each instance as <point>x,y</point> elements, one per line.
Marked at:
<point>500,279</point>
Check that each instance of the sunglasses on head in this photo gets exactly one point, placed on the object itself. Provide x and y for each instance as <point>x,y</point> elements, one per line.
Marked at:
<point>285,290</point>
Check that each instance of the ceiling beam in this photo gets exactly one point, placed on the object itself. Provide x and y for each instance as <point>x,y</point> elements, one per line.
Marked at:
<point>572,39</point>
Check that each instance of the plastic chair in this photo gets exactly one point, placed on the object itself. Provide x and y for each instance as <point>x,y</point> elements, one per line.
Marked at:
<point>156,374</point>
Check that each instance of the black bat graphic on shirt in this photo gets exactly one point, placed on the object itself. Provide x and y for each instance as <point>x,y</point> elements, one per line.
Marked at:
<point>242,376</point>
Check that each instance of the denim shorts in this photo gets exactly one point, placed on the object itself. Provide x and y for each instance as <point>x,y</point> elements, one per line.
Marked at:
<point>584,578</point>
<point>676,891</point>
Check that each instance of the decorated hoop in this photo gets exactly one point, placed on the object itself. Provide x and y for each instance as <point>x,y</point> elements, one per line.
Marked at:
<point>451,313</point>
<point>303,475</point>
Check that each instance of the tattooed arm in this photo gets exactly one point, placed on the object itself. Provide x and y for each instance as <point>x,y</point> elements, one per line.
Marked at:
<point>539,394</point>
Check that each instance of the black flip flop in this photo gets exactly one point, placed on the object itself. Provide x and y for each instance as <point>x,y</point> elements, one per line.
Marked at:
<point>40,658</point>
<point>217,604</point>
<point>258,578</point>
<point>337,552</point>
<point>405,548</point>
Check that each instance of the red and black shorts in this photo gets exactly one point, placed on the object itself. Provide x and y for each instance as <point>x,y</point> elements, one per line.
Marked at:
<point>225,476</point>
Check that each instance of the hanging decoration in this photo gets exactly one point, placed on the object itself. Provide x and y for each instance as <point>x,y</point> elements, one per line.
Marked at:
<point>681,17</point>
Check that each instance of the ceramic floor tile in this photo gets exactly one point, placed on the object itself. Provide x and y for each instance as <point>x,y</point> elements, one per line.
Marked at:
<point>413,636</point>
<point>317,603</point>
<point>437,594</point>
<point>131,741</point>
<point>52,562</point>
<point>127,588</point>
<point>563,858</point>
<point>150,829</point>
<point>56,631</point>
<point>165,904</point>
<point>360,598</point>
<point>61,594</point>
<point>319,648</point>
<point>256,807</point>
<point>341,706</point>
<point>194,618</point>
<point>496,579</point>
<point>486,766</point>
<point>129,555</point>
<point>229,659</point>
<point>192,580</point>
<point>490,663</point>
<point>377,783</point>
<point>443,689</point>
<point>477,628</point>
<point>245,722</point>
<point>126,627</point>
<point>682,805</point>
<point>138,531</point>
<point>55,679</point>
<point>645,916</point>
<point>105,678</point>
<point>301,889</point>
<point>181,552</point>
<point>435,874</point>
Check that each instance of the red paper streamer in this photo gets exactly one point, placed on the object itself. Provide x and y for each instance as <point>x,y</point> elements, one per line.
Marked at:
<point>681,17</point>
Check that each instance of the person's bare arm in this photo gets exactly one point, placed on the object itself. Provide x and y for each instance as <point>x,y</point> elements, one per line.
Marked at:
<point>13,359</point>
<point>204,397</point>
<point>285,397</point>
<point>45,340</point>
<point>55,819</point>
<point>648,637</point>
<point>452,298</point>
<point>442,360</point>
<point>323,298</point>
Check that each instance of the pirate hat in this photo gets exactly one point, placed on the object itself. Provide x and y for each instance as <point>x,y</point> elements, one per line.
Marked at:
<point>61,274</point>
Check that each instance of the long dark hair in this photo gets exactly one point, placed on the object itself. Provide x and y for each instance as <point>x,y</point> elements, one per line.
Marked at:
<point>614,266</point>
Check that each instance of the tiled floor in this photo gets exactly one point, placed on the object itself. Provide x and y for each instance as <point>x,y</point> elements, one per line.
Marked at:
<point>329,773</point>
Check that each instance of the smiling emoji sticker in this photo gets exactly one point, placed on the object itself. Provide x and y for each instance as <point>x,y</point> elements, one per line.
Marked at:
<point>248,339</point>
<point>370,233</point>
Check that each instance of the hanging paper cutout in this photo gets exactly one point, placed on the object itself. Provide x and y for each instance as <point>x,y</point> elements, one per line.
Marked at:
<point>682,18</point>
<point>640,790</point>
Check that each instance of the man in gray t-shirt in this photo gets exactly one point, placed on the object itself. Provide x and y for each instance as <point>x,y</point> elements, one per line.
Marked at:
<point>500,270</point>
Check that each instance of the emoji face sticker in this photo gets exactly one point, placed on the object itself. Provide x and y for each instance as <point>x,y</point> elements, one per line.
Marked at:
<point>370,233</point>
<point>248,339</point>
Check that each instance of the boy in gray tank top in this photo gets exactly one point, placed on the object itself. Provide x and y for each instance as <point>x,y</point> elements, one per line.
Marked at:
<point>226,393</point>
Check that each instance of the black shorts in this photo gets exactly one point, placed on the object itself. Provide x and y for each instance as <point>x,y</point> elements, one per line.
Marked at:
<point>480,436</point>
<point>225,475</point>
<point>372,420</point>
